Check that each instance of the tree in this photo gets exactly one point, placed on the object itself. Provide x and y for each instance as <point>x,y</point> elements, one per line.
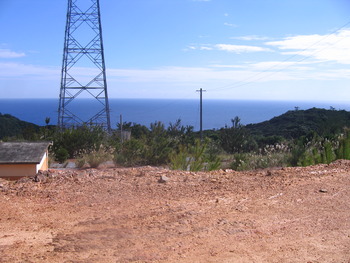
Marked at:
<point>237,139</point>
<point>47,121</point>
<point>158,144</point>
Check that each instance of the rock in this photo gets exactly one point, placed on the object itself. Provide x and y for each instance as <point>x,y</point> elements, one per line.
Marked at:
<point>273,172</point>
<point>43,172</point>
<point>163,179</point>
<point>24,180</point>
<point>323,191</point>
<point>40,178</point>
<point>3,188</point>
<point>141,174</point>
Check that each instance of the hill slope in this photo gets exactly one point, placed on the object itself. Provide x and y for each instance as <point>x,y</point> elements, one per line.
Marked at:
<point>294,124</point>
<point>291,124</point>
<point>11,126</point>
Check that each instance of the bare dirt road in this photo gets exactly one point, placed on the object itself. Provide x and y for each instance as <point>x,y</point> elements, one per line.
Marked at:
<point>128,215</point>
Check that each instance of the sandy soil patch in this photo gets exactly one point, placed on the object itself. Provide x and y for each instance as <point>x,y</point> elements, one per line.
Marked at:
<point>128,215</point>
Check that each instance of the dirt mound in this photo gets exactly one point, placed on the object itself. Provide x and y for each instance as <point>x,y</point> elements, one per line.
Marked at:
<point>150,214</point>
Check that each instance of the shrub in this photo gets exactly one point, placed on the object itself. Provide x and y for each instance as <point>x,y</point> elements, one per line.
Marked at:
<point>94,157</point>
<point>194,158</point>
<point>80,162</point>
<point>271,156</point>
<point>77,139</point>
<point>158,145</point>
<point>313,149</point>
<point>180,160</point>
<point>237,139</point>
<point>343,149</point>
<point>130,153</point>
<point>328,153</point>
<point>241,162</point>
<point>61,155</point>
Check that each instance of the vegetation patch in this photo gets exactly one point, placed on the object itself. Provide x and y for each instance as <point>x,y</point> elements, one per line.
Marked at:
<point>296,138</point>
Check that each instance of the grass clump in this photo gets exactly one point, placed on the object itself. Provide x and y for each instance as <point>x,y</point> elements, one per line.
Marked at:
<point>270,156</point>
<point>95,157</point>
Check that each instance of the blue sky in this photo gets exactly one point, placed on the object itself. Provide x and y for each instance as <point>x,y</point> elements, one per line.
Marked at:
<point>234,49</point>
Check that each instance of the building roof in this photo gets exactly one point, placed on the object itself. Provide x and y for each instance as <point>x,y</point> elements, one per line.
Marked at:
<point>22,152</point>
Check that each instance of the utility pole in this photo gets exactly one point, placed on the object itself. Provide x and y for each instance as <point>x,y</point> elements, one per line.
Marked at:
<point>201,112</point>
<point>121,129</point>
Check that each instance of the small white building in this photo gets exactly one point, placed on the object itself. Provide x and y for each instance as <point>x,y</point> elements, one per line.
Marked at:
<point>20,159</point>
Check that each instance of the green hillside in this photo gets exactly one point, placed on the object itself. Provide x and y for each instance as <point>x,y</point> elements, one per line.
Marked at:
<point>291,124</point>
<point>11,126</point>
<point>294,124</point>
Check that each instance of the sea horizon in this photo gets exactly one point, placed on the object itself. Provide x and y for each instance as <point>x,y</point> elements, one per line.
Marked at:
<point>217,113</point>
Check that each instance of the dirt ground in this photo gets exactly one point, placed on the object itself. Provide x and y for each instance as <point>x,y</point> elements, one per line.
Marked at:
<point>135,215</point>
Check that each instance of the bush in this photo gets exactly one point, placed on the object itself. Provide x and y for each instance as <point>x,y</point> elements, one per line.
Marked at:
<point>78,139</point>
<point>194,158</point>
<point>158,145</point>
<point>61,155</point>
<point>328,154</point>
<point>237,139</point>
<point>130,153</point>
<point>313,149</point>
<point>271,156</point>
<point>94,157</point>
<point>343,150</point>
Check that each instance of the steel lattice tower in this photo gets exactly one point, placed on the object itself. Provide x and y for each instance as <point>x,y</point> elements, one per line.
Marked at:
<point>83,67</point>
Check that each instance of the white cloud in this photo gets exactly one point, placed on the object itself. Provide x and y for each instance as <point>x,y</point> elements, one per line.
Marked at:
<point>240,48</point>
<point>194,47</point>
<point>175,75</point>
<point>227,66</point>
<point>184,79</point>
<point>229,48</point>
<point>199,47</point>
<point>332,47</point>
<point>249,38</point>
<point>191,77</point>
<point>8,70</point>
<point>7,53</point>
<point>278,65</point>
<point>205,48</point>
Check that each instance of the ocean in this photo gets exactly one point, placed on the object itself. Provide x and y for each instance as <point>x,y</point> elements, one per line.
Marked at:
<point>216,113</point>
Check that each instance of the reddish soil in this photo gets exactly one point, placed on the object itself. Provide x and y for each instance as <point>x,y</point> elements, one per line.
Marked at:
<point>127,215</point>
